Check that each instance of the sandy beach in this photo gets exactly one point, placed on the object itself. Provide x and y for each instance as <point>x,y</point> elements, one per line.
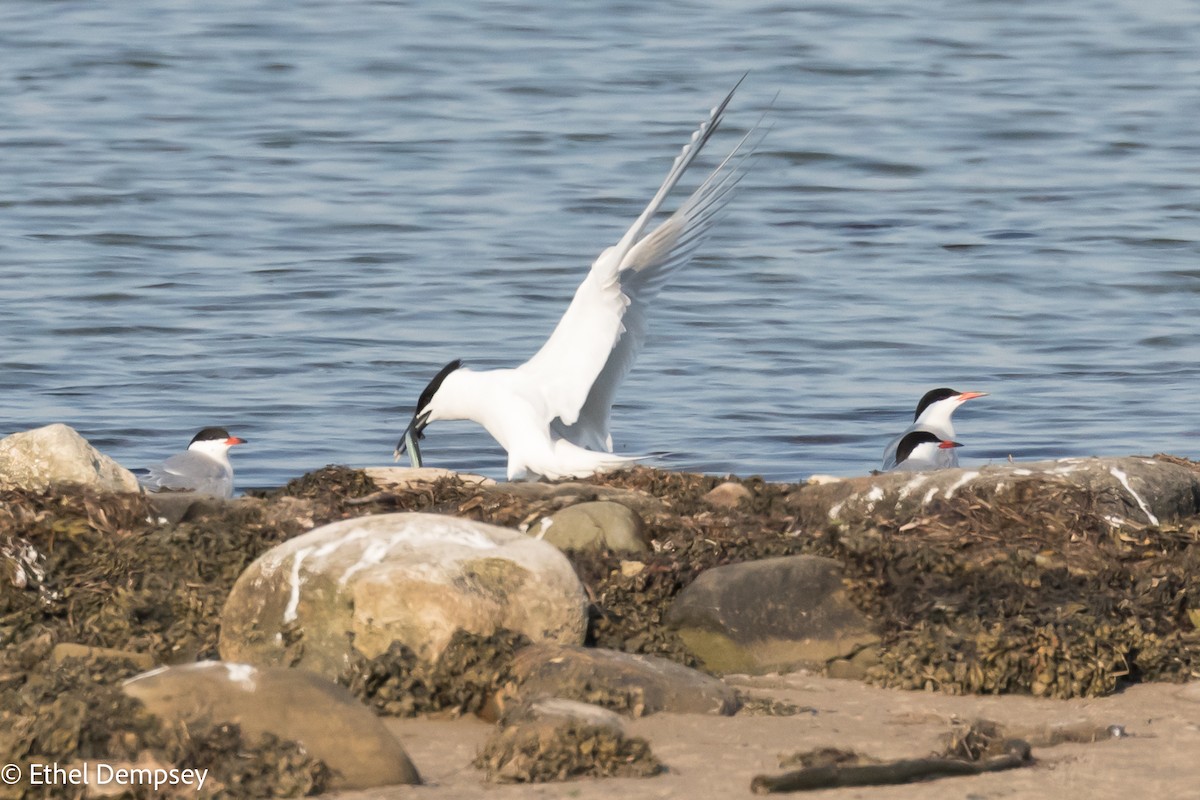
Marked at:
<point>717,757</point>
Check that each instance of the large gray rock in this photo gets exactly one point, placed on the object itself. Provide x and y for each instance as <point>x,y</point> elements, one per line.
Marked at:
<point>598,525</point>
<point>412,578</point>
<point>1128,489</point>
<point>631,684</point>
<point>288,703</point>
<point>773,615</point>
<point>57,454</point>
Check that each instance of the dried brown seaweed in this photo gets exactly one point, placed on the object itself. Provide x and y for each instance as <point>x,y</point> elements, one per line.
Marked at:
<point>544,751</point>
<point>463,680</point>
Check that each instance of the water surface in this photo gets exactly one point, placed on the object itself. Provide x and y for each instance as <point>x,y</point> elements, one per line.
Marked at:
<point>284,217</point>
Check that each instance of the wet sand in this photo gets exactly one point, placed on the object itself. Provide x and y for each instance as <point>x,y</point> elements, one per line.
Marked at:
<point>717,757</point>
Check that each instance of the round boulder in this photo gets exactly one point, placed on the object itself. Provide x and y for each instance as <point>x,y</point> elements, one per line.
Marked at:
<point>628,683</point>
<point>57,454</point>
<point>287,703</point>
<point>411,578</point>
<point>598,525</point>
<point>773,615</point>
<point>728,495</point>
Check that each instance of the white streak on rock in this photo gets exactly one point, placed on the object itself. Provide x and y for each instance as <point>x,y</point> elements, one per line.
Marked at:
<point>241,674</point>
<point>836,509</point>
<point>289,613</point>
<point>546,523</point>
<point>873,497</point>
<point>374,553</point>
<point>911,486</point>
<point>966,478</point>
<point>141,675</point>
<point>1022,471</point>
<point>329,547</point>
<point>1124,479</point>
<point>929,496</point>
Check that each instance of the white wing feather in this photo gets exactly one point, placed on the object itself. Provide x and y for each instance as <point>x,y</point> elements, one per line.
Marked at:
<point>584,361</point>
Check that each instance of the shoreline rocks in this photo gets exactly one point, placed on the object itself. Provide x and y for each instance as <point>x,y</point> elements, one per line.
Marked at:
<point>57,454</point>
<point>411,578</point>
<point>1054,588</point>
<point>630,684</point>
<point>773,615</point>
<point>288,704</point>
<point>593,525</point>
<point>1127,490</point>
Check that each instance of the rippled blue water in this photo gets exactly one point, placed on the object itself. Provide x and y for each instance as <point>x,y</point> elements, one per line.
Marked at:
<point>283,217</point>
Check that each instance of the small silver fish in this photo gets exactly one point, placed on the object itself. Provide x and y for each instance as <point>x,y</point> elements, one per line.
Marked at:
<point>414,451</point>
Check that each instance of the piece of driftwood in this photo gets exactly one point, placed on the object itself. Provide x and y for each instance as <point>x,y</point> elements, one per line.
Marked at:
<point>1017,753</point>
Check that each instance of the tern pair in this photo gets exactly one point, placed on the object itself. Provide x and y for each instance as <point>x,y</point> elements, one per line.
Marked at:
<point>929,442</point>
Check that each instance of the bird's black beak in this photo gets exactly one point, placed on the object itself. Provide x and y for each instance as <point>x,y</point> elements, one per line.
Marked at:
<point>414,432</point>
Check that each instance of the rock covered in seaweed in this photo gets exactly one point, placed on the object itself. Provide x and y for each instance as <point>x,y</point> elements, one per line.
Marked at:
<point>412,578</point>
<point>57,454</point>
<point>560,748</point>
<point>773,615</point>
<point>635,685</point>
<point>1126,489</point>
<point>287,704</point>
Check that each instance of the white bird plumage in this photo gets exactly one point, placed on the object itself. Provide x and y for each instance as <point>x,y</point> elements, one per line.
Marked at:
<point>551,414</point>
<point>203,468</point>
<point>933,414</point>
<point>922,450</point>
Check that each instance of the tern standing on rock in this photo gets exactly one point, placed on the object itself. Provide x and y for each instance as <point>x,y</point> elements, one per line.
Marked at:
<point>551,414</point>
<point>203,468</point>
<point>933,414</point>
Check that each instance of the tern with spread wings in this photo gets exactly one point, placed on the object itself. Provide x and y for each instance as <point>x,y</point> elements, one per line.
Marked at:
<point>551,414</point>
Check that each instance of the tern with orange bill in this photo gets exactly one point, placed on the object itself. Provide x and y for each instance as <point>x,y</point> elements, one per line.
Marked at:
<point>203,468</point>
<point>933,414</point>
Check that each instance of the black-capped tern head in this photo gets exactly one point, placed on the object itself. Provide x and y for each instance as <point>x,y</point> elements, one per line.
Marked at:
<point>551,414</point>
<point>203,468</point>
<point>423,414</point>
<point>214,440</point>
<point>934,413</point>
<point>937,404</point>
<point>920,450</point>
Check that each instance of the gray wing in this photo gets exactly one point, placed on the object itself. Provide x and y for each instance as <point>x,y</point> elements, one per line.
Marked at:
<point>889,452</point>
<point>190,472</point>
